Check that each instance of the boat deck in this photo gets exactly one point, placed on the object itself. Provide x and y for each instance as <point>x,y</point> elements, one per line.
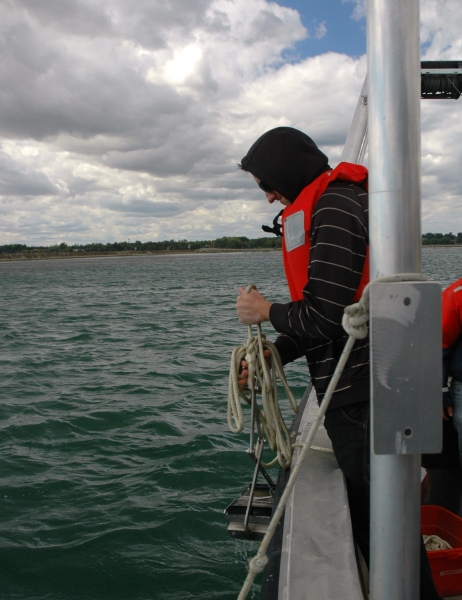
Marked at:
<point>318,556</point>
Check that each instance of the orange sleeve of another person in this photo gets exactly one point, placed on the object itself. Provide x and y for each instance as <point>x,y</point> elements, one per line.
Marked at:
<point>452,313</point>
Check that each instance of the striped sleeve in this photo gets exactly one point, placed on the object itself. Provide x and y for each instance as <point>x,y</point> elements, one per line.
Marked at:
<point>338,250</point>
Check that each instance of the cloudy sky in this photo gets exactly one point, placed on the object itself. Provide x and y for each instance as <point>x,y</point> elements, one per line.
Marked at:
<point>122,119</point>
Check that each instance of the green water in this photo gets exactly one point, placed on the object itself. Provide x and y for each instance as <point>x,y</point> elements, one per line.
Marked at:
<point>116,462</point>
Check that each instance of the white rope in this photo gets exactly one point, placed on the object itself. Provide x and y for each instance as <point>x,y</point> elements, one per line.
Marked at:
<point>355,324</point>
<point>434,542</point>
<point>270,423</point>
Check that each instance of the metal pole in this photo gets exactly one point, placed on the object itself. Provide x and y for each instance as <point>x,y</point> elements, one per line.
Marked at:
<point>252,417</point>
<point>356,142</point>
<point>394,190</point>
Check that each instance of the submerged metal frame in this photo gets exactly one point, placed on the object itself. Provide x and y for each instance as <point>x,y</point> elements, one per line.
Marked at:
<point>258,454</point>
<point>255,452</point>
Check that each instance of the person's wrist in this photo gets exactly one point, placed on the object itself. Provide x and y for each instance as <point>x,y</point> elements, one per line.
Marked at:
<point>267,311</point>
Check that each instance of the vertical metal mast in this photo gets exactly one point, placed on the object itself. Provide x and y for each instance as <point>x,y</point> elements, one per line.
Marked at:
<point>393,52</point>
<point>394,135</point>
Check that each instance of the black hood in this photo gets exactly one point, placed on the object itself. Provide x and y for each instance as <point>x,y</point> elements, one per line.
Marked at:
<point>285,159</point>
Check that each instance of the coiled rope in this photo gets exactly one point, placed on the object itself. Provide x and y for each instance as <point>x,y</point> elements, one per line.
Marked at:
<point>434,542</point>
<point>354,322</point>
<point>269,420</point>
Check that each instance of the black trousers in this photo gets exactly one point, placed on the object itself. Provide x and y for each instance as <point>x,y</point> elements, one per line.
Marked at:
<point>349,431</point>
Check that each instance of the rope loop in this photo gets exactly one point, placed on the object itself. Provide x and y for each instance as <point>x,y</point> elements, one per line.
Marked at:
<point>265,371</point>
<point>356,316</point>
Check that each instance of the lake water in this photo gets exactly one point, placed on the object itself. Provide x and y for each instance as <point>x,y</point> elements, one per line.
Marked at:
<point>116,463</point>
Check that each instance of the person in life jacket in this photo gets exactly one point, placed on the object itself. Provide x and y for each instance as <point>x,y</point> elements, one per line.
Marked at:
<point>325,241</point>
<point>325,249</point>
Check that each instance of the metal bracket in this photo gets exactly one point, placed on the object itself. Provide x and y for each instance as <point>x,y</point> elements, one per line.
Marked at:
<point>441,71</point>
<point>255,453</point>
<point>251,451</point>
<point>406,367</point>
<point>259,452</point>
<point>262,470</point>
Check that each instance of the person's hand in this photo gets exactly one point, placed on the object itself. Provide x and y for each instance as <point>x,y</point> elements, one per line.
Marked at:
<point>243,375</point>
<point>447,412</point>
<point>244,372</point>
<point>252,308</point>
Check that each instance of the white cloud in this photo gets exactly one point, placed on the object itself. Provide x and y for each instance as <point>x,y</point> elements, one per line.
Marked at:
<point>441,122</point>
<point>359,11</point>
<point>440,30</point>
<point>321,30</point>
<point>126,120</point>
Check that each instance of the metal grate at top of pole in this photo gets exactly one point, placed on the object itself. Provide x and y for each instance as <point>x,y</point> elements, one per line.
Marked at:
<point>441,79</point>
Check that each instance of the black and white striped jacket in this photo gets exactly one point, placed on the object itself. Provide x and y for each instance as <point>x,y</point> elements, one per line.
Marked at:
<point>312,327</point>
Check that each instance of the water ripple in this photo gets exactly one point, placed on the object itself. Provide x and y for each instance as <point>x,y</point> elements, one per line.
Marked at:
<point>116,461</point>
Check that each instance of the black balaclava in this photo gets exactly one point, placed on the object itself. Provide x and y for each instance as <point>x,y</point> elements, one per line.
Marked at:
<point>285,159</point>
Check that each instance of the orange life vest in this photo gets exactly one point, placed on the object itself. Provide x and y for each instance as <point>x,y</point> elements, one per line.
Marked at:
<point>296,224</point>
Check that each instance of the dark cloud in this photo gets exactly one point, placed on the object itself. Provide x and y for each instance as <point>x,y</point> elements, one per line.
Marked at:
<point>66,226</point>
<point>151,20</point>
<point>179,160</point>
<point>70,16</point>
<point>147,207</point>
<point>267,26</point>
<point>48,89</point>
<point>146,23</point>
<point>17,179</point>
<point>78,186</point>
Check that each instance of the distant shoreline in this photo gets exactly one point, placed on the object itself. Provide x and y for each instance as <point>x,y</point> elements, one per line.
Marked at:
<point>32,257</point>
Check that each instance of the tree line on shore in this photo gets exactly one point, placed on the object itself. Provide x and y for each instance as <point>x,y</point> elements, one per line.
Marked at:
<point>233,243</point>
<point>441,239</point>
<point>223,243</point>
